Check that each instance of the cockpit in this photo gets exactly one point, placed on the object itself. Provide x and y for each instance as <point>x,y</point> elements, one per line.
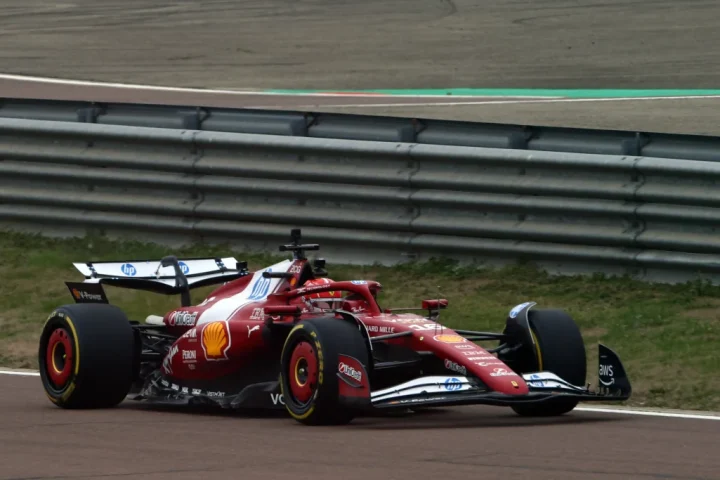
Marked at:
<point>313,274</point>
<point>330,300</point>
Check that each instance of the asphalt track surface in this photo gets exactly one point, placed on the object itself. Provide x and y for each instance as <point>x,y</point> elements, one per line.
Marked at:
<point>350,44</point>
<point>41,441</point>
<point>346,44</point>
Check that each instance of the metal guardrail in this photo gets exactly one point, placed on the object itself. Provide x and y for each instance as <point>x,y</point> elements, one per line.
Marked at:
<point>370,128</point>
<point>630,211</point>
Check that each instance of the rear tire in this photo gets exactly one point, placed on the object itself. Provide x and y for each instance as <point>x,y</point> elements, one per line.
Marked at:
<point>561,350</point>
<point>86,355</point>
<point>309,365</point>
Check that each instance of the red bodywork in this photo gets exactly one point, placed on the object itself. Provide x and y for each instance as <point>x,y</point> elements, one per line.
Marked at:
<point>227,329</point>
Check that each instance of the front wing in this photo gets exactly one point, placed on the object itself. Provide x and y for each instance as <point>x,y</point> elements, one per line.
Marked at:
<point>613,385</point>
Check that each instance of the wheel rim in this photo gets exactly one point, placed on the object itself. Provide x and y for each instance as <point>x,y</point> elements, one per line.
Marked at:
<point>59,358</point>
<point>303,372</point>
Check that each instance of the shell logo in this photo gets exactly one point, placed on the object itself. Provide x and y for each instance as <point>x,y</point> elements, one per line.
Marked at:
<point>450,339</point>
<point>216,340</point>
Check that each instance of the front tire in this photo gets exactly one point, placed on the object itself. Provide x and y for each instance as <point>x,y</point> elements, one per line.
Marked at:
<point>85,356</point>
<point>561,350</point>
<point>309,366</point>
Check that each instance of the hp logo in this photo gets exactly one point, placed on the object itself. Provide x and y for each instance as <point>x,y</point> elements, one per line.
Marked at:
<point>260,288</point>
<point>452,384</point>
<point>538,380</point>
<point>183,266</point>
<point>128,269</point>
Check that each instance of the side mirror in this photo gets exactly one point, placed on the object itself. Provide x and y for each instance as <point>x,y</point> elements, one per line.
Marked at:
<point>437,304</point>
<point>319,268</point>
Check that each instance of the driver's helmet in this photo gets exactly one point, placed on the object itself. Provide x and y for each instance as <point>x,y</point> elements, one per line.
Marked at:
<point>329,299</point>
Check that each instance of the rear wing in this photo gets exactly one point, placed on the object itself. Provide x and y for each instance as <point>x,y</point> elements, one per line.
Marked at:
<point>168,276</point>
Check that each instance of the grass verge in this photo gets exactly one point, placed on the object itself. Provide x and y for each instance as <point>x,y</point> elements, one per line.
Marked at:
<point>667,335</point>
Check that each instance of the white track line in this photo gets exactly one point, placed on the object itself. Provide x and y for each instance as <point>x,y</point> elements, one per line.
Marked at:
<point>87,83</point>
<point>652,413</point>
<point>129,86</point>
<point>496,100</point>
<point>623,411</point>
<point>501,102</point>
<point>21,373</point>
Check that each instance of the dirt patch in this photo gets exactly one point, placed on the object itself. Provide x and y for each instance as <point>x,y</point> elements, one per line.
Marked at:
<point>594,332</point>
<point>705,314</point>
<point>19,352</point>
<point>708,310</point>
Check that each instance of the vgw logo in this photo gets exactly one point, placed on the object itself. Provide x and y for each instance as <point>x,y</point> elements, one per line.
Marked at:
<point>128,269</point>
<point>452,384</point>
<point>261,287</point>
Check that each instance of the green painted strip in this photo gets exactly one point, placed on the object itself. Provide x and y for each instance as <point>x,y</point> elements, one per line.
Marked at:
<point>520,92</point>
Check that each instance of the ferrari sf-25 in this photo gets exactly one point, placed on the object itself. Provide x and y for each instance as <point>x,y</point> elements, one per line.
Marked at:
<point>288,337</point>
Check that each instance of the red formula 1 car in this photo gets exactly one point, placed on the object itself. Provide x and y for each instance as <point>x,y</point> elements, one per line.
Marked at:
<point>286,337</point>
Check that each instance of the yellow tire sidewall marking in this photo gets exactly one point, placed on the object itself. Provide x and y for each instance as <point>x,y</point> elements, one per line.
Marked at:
<point>537,349</point>
<point>76,359</point>
<point>312,408</point>
<point>77,343</point>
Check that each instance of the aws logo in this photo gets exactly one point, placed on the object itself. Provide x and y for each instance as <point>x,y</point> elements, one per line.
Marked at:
<point>215,340</point>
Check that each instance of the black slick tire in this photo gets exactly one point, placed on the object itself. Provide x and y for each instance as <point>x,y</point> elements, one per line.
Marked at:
<point>561,350</point>
<point>313,346</point>
<point>86,356</point>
